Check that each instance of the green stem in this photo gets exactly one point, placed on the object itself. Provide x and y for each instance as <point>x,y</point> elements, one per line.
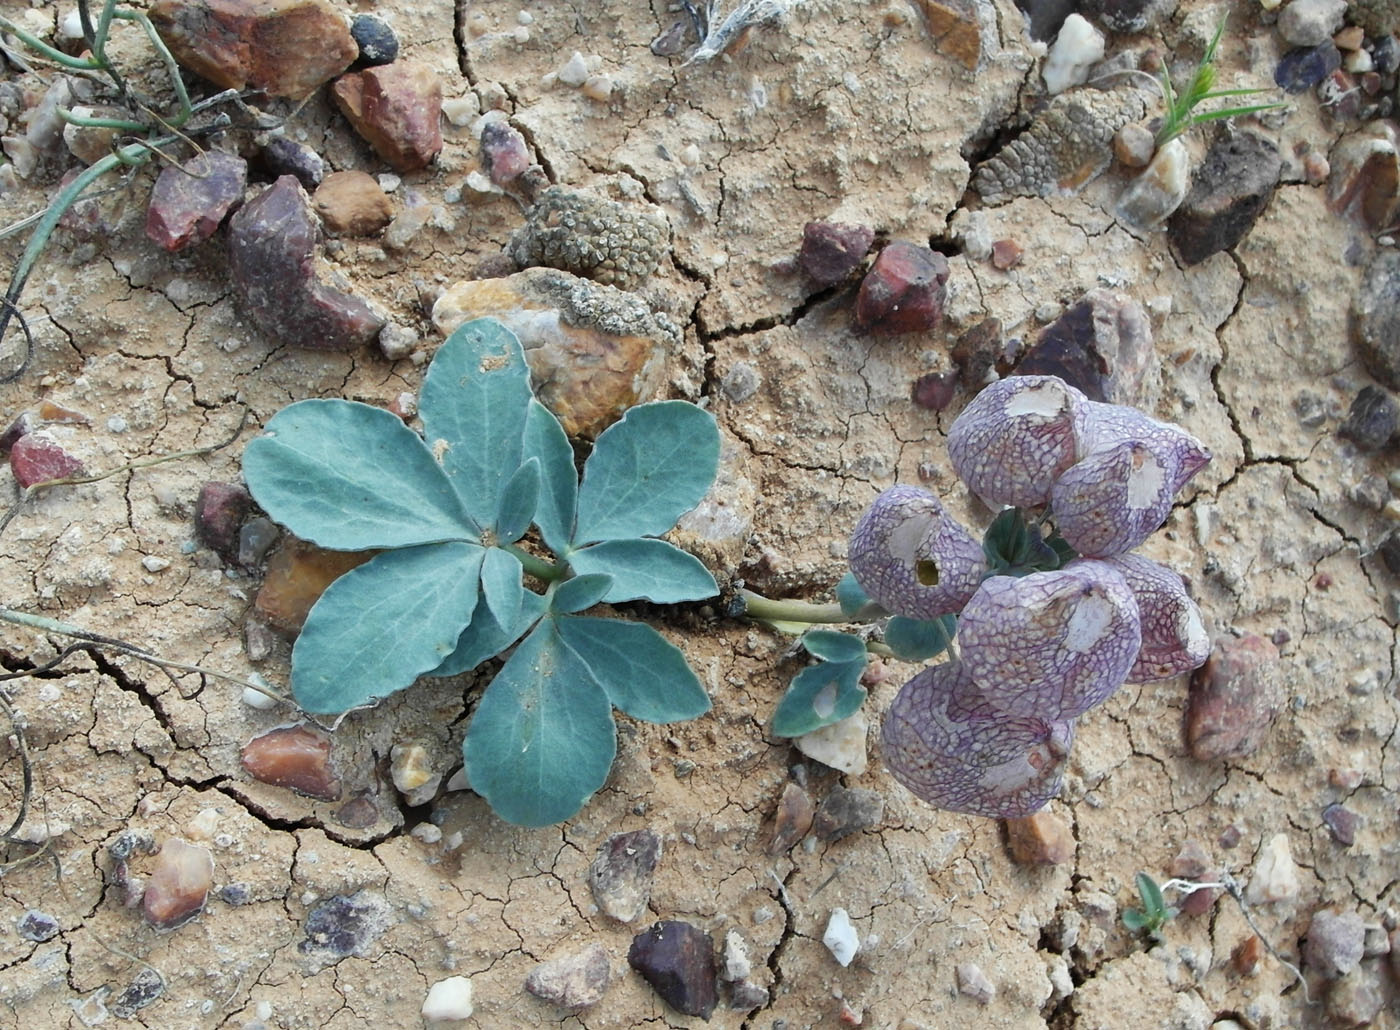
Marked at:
<point>44,50</point>
<point>756,606</point>
<point>537,567</point>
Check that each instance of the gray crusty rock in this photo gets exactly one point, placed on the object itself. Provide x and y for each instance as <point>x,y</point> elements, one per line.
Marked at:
<point>1066,145</point>
<point>591,236</point>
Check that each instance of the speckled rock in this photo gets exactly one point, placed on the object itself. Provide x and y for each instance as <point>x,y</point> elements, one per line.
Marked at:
<point>1128,16</point>
<point>572,981</point>
<point>594,351</point>
<point>1375,324</point>
<point>1363,181</point>
<point>847,810</point>
<point>1231,187</point>
<point>375,39</point>
<point>37,457</point>
<point>294,757</point>
<point>678,960</point>
<point>37,926</point>
<point>1234,698</point>
<point>396,108</point>
<point>272,248</point>
<point>1302,68</point>
<point>903,292</point>
<point>1065,146</point>
<point>352,203</point>
<point>621,873</point>
<point>145,987</point>
<point>284,47</point>
<point>1373,419</point>
<point>603,240</point>
<point>1042,838</point>
<point>831,251</point>
<point>188,203</point>
<point>1335,942</point>
<point>219,512</point>
<point>1377,17</point>
<point>281,156</point>
<point>346,925</point>
<point>178,885</point>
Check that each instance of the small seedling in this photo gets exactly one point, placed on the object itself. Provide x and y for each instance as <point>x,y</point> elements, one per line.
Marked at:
<point>448,591</point>
<point>1181,114</point>
<point>1154,912</point>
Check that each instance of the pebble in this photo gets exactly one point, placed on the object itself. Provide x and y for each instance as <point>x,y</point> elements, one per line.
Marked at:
<point>935,390</point>
<point>1134,145</point>
<point>1233,699</point>
<point>88,143</point>
<point>1006,254</point>
<point>254,698</point>
<point>574,71</point>
<point>973,983</point>
<point>1342,822</point>
<point>178,885</point>
<point>840,746</point>
<point>293,757</point>
<point>188,203</point>
<point>1275,876</point>
<point>1375,323</point>
<point>737,965</point>
<point>593,350</point>
<point>847,810</point>
<point>272,244</point>
<point>300,43</point>
<point>1245,956</point>
<point>745,996</point>
<point>37,926</point>
<point>1309,22</point>
<point>152,563</point>
<point>574,981</point>
<point>1335,943</point>
<point>352,204</point>
<point>955,29</point>
<point>1315,168</point>
<point>581,232</point>
<point>1193,863</point>
<point>1075,50</point>
<point>297,575</point>
<point>359,813</point>
<point>1230,189</point>
<point>507,155</point>
<point>23,423</point>
<point>1158,189</point>
<point>411,769</point>
<point>449,999</point>
<point>1042,838</point>
<point>346,924</point>
<point>37,458</point>
<point>598,87</point>
<point>219,512</point>
<point>1373,420</point>
<point>620,875</point>
<point>840,937</point>
<point>255,539</point>
<point>982,355</point>
<point>832,251</point>
<point>678,960</point>
<point>1302,68</point>
<point>1356,999</point>
<point>904,291</point>
<point>397,341</point>
<point>395,108</point>
<point>145,987</point>
<point>792,820</point>
<point>375,39</point>
<point>1364,173</point>
<point>461,111</point>
<point>1101,345</point>
<point>281,156</point>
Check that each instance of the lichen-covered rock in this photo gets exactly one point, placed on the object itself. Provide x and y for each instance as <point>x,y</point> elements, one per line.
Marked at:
<point>1101,345</point>
<point>283,47</point>
<point>912,557</point>
<point>594,351</point>
<point>397,109</point>
<point>1065,146</point>
<point>600,239</point>
<point>904,290</point>
<point>188,202</point>
<point>943,742</point>
<point>1174,639</point>
<point>1229,190</point>
<point>272,249</point>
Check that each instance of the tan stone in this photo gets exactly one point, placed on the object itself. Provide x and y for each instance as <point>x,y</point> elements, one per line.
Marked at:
<point>1039,839</point>
<point>297,575</point>
<point>352,204</point>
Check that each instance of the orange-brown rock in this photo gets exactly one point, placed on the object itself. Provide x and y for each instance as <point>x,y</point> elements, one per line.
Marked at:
<point>178,885</point>
<point>396,108</point>
<point>1039,839</point>
<point>284,47</point>
<point>293,757</point>
<point>953,26</point>
<point>352,204</point>
<point>297,575</point>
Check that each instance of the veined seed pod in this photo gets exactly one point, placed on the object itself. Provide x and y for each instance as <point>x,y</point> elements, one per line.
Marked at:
<point>1174,638</point>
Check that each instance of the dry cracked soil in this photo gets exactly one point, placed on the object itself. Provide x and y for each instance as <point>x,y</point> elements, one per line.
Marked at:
<point>844,110</point>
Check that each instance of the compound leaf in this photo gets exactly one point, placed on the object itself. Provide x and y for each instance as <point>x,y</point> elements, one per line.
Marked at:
<point>833,646</point>
<point>646,471</point>
<point>542,739</point>
<point>501,585</point>
<point>643,673</point>
<point>383,624</point>
<point>519,499</point>
<point>820,695</point>
<point>351,477</point>
<point>646,568</point>
<point>485,638</point>
<point>558,501</point>
<point>918,640</point>
<point>473,405</point>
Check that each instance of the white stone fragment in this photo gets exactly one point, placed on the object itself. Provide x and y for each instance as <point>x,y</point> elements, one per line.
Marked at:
<point>70,26</point>
<point>255,698</point>
<point>736,958</point>
<point>151,563</point>
<point>461,110</point>
<point>449,999</point>
<point>1275,876</point>
<point>574,71</point>
<point>840,937</point>
<point>840,745</point>
<point>1078,46</point>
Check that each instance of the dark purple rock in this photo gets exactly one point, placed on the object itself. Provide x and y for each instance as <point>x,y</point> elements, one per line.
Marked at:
<point>281,156</point>
<point>1231,187</point>
<point>189,202</point>
<point>1044,17</point>
<point>1304,67</point>
<point>235,894</point>
<point>359,813</point>
<point>145,987</point>
<point>1343,823</point>
<point>37,926</point>
<point>272,245</point>
<point>1375,323</point>
<point>745,996</point>
<point>1385,55</point>
<point>1335,943</point>
<point>845,811</point>
<point>678,960</point>
<point>38,457</point>
<point>1389,550</point>
<point>219,515</point>
<point>620,876</point>
<point>23,423</point>
<point>980,354</point>
<point>346,925</point>
<point>1373,419</point>
<point>903,292</point>
<point>1101,345</point>
<point>1233,699</point>
<point>831,251</point>
<point>376,40</point>
<point>935,390</point>
<point>572,981</point>
<point>507,156</point>
<point>1127,16</point>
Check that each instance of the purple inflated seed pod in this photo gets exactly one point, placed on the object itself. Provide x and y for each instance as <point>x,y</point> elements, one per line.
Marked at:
<point>953,751</point>
<point>1180,453</point>
<point>1051,644</point>
<point>1174,637</point>
<point>912,557</point>
<point>1016,437</point>
<point>1113,500</point>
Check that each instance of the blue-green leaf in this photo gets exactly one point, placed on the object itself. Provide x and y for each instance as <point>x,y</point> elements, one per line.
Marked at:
<point>542,739</point>
<point>646,471</point>
<point>834,646</point>
<point>918,640</point>
<point>473,405</point>
<point>485,638</point>
<point>643,673</point>
<point>574,595</point>
<point>820,695</point>
<point>501,585</point>
<point>850,596</point>
<point>519,499</point>
<point>383,624</point>
<point>545,439</point>
<point>646,568</point>
<point>351,477</point>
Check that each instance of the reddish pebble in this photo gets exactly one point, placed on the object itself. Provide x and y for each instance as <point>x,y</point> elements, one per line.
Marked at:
<point>1344,779</point>
<point>1229,837</point>
<point>293,757</point>
<point>1342,822</point>
<point>792,820</point>
<point>935,390</point>
<point>23,423</point>
<point>904,291</point>
<point>1006,254</point>
<point>219,515</point>
<point>1323,581</point>
<point>189,202</point>
<point>178,885</point>
<point>506,154</point>
<point>51,412</point>
<point>1244,959</point>
<point>831,251</point>
<point>38,457</point>
<point>396,108</point>
<point>1039,839</point>
<point>1233,700</point>
<point>351,203</point>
